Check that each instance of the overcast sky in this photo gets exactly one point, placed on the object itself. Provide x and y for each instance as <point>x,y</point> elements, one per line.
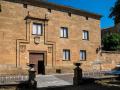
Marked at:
<point>96,6</point>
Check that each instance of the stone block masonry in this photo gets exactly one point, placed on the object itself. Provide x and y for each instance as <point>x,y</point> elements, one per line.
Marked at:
<point>20,47</point>
<point>109,59</point>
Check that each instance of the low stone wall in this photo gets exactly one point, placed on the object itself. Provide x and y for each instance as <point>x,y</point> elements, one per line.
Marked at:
<point>109,59</point>
<point>13,71</point>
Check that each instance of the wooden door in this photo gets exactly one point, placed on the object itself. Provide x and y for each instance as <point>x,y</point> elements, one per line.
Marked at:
<point>38,60</point>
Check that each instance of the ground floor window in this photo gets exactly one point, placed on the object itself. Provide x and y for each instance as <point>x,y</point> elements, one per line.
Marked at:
<point>66,54</point>
<point>82,54</point>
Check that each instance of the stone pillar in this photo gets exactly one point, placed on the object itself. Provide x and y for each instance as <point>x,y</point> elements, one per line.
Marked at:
<point>77,79</point>
<point>32,83</point>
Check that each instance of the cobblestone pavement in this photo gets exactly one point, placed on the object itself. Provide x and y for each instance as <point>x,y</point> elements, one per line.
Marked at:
<point>54,80</point>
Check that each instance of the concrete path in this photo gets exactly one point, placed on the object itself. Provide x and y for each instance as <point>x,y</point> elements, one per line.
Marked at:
<point>63,79</point>
<point>54,80</point>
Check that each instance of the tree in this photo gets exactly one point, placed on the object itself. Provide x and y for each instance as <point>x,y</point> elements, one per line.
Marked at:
<point>115,13</point>
<point>111,42</point>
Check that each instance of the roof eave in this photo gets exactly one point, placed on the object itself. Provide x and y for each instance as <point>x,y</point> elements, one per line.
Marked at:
<point>58,7</point>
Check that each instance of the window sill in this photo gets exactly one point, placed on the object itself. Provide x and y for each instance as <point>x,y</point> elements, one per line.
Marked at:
<point>64,37</point>
<point>85,39</point>
<point>36,35</point>
<point>65,60</point>
<point>83,60</point>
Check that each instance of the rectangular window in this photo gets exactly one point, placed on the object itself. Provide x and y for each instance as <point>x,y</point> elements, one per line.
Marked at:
<point>37,29</point>
<point>64,32</point>
<point>66,54</point>
<point>85,35</point>
<point>82,54</point>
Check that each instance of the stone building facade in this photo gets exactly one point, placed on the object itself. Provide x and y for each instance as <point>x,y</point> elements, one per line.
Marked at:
<point>51,36</point>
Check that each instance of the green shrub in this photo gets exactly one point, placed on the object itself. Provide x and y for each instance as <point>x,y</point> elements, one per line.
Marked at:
<point>111,42</point>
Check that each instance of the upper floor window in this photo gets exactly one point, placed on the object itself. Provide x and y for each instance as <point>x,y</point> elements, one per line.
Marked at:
<point>66,54</point>
<point>37,29</point>
<point>64,32</point>
<point>85,35</point>
<point>82,54</point>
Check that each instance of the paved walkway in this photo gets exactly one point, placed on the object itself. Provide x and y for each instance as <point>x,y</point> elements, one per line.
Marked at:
<point>64,79</point>
<point>54,80</point>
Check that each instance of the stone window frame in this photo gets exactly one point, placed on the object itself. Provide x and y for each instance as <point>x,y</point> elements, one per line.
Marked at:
<point>63,32</point>
<point>65,56</point>
<point>83,55</point>
<point>84,37</point>
<point>41,32</point>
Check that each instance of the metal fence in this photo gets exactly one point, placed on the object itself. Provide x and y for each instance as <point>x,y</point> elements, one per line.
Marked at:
<point>12,79</point>
<point>16,79</point>
<point>94,74</point>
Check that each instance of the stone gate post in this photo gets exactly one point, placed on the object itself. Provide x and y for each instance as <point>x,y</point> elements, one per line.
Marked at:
<point>77,79</point>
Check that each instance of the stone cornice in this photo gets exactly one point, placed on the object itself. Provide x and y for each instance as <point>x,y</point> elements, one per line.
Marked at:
<point>57,7</point>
